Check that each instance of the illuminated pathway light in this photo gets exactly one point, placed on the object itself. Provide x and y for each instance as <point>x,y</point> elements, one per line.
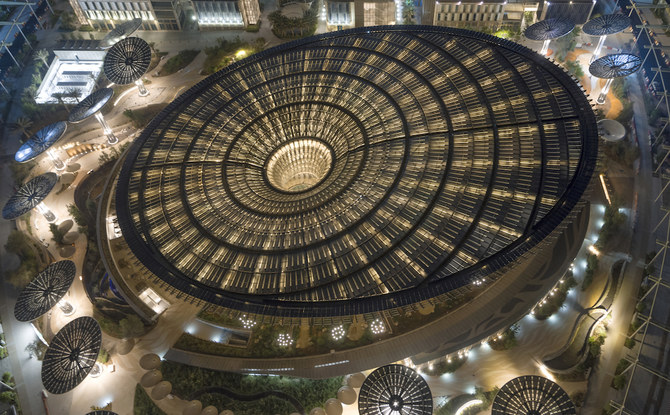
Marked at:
<point>337,332</point>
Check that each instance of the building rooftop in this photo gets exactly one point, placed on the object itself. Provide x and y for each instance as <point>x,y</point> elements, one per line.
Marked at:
<point>382,167</point>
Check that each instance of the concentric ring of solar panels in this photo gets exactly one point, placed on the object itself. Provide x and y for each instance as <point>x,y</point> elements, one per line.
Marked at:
<point>40,141</point>
<point>120,32</point>
<point>127,60</point>
<point>29,195</point>
<point>395,389</point>
<point>90,105</point>
<point>532,395</point>
<point>454,153</point>
<point>45,290</point>
<point>71,355</point>
<point>549,29</point>
<point>615,65</point>
<point>608,24</point>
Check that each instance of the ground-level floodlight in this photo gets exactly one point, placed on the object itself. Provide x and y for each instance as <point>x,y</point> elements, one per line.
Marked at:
<point>120,32</point>
<point>613,66</point>
<point>30,196</point>
<point>41,142</point>
<point>92,105</point>
<point>602,26</point>
<point>549,29</point>
<point>127,61</point>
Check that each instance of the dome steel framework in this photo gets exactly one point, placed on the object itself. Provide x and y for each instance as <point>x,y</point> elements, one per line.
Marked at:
<point>120,32</point>
<point>608,24</point>
<point>40,142</point>
<point>395,390</point>
<point>45,290</point>
<point>532,395</point>
<point>127,61</point>
<point>31,195</point>
<point>71,355</point>
<point>383,166</point>
<point>92,105</point>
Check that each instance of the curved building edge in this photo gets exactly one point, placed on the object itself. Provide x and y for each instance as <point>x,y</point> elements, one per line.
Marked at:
<point>502,304</point>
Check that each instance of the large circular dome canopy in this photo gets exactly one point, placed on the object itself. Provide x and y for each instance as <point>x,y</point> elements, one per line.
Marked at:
<point>388,163</point>
<point>29,195</point>
<point>40,141</point>
<point>90,105</point>
<point>532,395</point>
<point>127,61</point>
<point>45,290</point>
<point>395,390</point>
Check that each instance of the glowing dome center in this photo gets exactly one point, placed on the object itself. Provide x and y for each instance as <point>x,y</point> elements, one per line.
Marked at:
<point>299,165</point>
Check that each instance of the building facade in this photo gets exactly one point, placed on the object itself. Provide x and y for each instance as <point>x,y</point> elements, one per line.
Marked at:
<point>167,15</point>
<point>490,14</point>
<point>72,73</point>
<point>219,14</point>
<point>348,14</point>
<point>578,11</point>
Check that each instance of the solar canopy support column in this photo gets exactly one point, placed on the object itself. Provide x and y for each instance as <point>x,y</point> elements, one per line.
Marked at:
<point>66,307</point>
<point>48,214</point>
<point>141,88</point>
<point>58,163</point>
<point>111,138</point>
<point>605,90</point>
<point>545,47</point>
<point>599,47</point>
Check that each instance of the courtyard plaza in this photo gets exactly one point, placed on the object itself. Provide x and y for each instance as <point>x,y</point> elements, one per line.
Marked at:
<point>484,367</point>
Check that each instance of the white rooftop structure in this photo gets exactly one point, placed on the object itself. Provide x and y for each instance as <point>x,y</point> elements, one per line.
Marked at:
<point>76,66</point>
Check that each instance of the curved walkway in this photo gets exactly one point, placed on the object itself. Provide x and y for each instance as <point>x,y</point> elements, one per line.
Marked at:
<point>575,351</point>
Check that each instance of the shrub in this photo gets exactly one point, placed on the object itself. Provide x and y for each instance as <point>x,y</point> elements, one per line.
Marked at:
<point>19,244</point>
<point>591,267</point>
<point>178,62</point>
<point>143,405</point>
<point>629,342</point>
<point>619,381</point>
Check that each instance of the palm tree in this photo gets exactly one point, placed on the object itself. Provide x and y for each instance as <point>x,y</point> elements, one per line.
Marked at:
<point>59,96</point>
<point>42,55</point>
<point>22,125</point>
<point>73,93</point>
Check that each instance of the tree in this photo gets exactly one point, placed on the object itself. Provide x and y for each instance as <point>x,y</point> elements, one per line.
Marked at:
<point>59,97</point>
<point>22,125</point>
<point>73,93</point>
<point>36,349</point>
<point>41,55</point>
<point>131,326</point>
<point>57,234</point>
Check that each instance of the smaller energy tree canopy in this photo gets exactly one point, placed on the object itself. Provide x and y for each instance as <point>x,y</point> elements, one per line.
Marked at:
<point>29,195</point>
<point>395,389</point>
<point>615,65</point>
<point>549,29</point>
<point>71,355</point>
<point>45,290</point>
<point>120,32</point>
<point>40,141</point>
<point>608,24</point>
<point>532,395</point>
<point>90,105</point>
<point>127,61</point>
